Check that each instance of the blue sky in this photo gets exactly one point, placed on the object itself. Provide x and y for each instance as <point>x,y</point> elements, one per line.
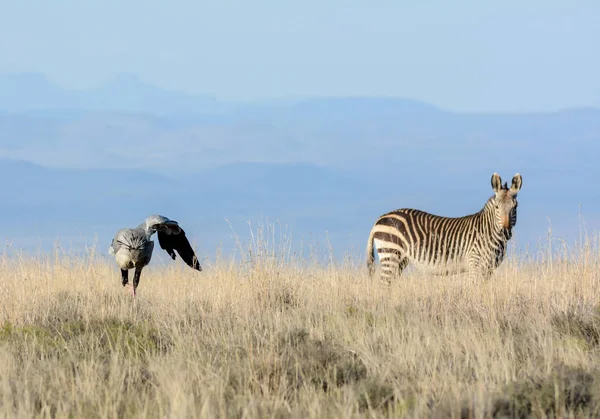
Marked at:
<point>461,55</point>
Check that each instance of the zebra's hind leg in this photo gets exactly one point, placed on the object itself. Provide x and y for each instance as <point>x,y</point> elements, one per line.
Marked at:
<point>391,268</point>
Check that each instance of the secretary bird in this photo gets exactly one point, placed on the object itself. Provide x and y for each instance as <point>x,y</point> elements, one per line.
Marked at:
<point>132,247</point>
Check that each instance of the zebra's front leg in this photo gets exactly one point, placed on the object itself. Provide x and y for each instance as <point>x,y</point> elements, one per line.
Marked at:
<point>479,271</point>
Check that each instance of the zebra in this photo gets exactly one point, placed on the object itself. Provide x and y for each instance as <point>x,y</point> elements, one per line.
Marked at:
<point>132,247</point>
<point>474,243</point>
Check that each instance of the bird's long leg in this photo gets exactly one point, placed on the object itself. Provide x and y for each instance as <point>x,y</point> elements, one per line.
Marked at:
<point>136,278</point>
<point>124,276</point>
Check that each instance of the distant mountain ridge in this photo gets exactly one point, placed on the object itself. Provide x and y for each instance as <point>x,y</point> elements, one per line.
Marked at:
<point>125,92</point>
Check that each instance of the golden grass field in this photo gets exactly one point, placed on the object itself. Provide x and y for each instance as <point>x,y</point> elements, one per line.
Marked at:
<point>272,338</point>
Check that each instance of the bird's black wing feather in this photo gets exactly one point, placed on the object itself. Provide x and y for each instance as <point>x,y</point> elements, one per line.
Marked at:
<point>166,242</point>
<point>180,243</point>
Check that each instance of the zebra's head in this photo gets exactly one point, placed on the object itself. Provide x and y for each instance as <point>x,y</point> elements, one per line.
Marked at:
<point>505,201</point>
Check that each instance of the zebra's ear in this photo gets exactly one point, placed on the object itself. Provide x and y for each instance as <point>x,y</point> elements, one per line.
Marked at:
<point>517,182</point>
<point>496,182</point>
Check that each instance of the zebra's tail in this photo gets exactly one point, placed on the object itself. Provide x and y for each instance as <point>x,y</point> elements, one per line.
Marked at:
<point>370,253</point>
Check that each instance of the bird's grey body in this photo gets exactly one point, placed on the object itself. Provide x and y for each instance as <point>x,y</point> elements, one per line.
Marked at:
<point>133,247</point>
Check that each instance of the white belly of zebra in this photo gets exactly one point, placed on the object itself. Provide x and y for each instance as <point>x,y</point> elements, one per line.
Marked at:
<point>452,267</point>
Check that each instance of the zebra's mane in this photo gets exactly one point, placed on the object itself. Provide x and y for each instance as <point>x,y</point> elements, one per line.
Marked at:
<point>489,204</point>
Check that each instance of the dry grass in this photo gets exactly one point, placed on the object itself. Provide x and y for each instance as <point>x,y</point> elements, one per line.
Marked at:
<point>273,338</point>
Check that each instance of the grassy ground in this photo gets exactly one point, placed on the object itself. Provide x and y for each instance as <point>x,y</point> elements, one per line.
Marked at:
<point>273,339</point>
